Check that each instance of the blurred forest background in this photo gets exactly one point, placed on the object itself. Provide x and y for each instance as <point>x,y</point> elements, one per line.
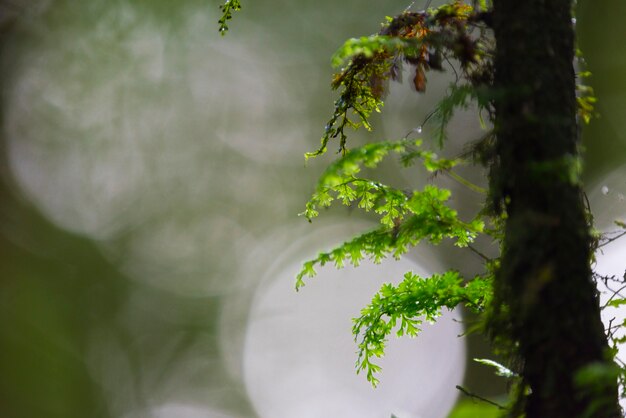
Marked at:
<point>150,179</point>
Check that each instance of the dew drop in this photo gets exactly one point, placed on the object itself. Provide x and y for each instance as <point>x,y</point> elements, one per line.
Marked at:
<point>418,129</point>
<point>605,190</point>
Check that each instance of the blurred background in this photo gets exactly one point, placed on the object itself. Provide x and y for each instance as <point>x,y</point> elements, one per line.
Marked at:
<point>151,173</point>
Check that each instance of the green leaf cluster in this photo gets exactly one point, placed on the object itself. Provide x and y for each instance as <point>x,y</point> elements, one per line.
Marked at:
<point>227,9</point>
<point>423,216</point>
<point>406,217</point>
<point>370,46</point>
<point>472,409</point>
<point>340,180</point>
<point>404,307</point>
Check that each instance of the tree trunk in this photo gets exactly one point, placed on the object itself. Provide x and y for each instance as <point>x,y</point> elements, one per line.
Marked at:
<point>545,280</point>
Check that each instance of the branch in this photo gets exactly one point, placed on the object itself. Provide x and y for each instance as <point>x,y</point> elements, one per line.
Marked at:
<point>615,293</point>
<point>480,398</point>
<point>475,251</point>
<point>610,240</point>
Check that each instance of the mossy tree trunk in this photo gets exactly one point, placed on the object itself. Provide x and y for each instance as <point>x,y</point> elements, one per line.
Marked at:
<point>545,280</point>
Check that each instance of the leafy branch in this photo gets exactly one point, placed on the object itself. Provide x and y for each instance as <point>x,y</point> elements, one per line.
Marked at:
<point>340,182</point>
<point>404,308</point>
<point>421,39</point>
<point>422,216</point>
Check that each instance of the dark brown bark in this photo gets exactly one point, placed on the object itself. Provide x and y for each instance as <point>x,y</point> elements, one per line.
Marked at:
<point>545,278</point>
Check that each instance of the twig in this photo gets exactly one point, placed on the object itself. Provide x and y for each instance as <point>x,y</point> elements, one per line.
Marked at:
<point>483,256</point>
<point>615,293</point>
<point>430,115</point>
<point>610,330</point>
<point>418,130</point>
<point>480,398</point>
<point>610,240</point>
<point>456,75</point>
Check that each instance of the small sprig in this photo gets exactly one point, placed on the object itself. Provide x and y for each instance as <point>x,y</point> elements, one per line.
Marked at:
<point>227,9</point>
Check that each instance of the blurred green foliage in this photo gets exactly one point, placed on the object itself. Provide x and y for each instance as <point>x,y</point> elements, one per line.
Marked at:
<point>474,409</point>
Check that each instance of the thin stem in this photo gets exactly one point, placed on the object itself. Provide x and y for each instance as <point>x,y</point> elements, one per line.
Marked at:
<point>480,398</point>
<point>615,293</point>
<point>430,115</point>
<point>466,182</point>
<point>610,240</point>
<point>475,251</point>
<point>456,74</point>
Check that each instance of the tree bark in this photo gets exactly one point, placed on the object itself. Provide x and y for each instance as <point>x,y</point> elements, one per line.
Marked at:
<point>545,280</point>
